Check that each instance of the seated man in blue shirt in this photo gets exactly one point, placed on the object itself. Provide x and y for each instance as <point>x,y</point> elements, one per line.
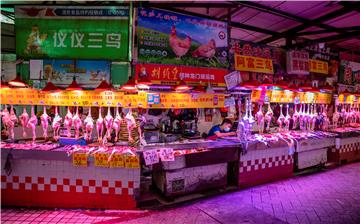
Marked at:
<point>223,130</point>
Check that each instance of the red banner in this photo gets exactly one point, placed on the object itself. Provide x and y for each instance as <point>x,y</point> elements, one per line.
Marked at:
<point>173,74</point>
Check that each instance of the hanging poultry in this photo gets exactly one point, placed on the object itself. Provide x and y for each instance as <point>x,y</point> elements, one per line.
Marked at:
<point>44,119</point>
<point>259,116</point>
<point>12,121</point>
<point>268,116</point>
<point>68,122</point>
<point>33,121</point>
<point>100,126</point>
<point>89,125</point>
<point>24,119</point>
<point>56,124</point>
<point>77,123</point>
<point>108,124</point>
<point>295,117</point>
<point>287,118</point>
<point>281,119</point>
<point>117,123</point>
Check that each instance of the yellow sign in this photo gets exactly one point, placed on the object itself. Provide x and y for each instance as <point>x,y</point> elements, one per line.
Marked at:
<point>191,100</point>
<point>318,66</point>
<point>132,161</point>
<point>109,98</point>
<point>80,159</point>
<point>281,96</point>
<point>253,64</point>
<point>323,98</point>
<point>117,161</point>
<point>101,159</point>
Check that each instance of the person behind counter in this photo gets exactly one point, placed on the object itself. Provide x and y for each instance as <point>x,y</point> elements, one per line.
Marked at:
<point>223,130</point>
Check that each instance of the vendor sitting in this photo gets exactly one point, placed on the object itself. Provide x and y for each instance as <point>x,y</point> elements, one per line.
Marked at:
<point>223,130</point>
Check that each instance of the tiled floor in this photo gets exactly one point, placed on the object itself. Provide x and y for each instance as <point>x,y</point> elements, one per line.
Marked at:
<point>327,197</point>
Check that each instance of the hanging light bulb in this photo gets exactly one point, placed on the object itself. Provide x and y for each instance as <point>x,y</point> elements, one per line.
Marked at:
<point>17,82</point>
<point>182,86</point>
<point>104,86</point>
<point>130,85</point>
<point>50,87</point>
<point>74,85</point>
<point>143,83</point>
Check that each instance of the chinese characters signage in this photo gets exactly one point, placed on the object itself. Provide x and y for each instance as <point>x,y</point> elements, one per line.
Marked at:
<point>297,62</point>
<point>193,100</point>
<point>172,74</point>
<point>318,66</point>
<point>72,32</point>
<point>253,64</point>
<point>166,37</point>
<point>112,99</point>
<point>277,55</point>
<point>349,72</point>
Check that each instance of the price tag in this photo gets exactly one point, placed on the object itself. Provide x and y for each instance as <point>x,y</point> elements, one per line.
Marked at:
<point>80,159</point>
<point>117,161</point>
<point>101,159</point>
<point>151,157</point>
<point>167,154</point>
<point>232,79</point>
<point>132,161</point>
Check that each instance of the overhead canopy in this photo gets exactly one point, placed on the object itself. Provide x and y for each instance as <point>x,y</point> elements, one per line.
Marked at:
<point>276,23</point>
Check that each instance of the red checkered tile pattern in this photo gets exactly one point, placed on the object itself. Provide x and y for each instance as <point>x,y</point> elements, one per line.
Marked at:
<point>67,185</point>
<point>350,147</point>
<point>264,163</point>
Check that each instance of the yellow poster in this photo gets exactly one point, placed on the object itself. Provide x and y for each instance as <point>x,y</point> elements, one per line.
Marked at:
<point>80,159</point>
<point>132,161</point>
<point>323,98</point>
<point>117,161</point>
<point>253,64</point>
<point>318,66</point>
<point>101,159</point>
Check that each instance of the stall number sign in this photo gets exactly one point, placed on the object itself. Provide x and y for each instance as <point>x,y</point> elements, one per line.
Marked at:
<point>80,159</point>
<point>132,161</point>
<point>151,157</point>
<point>318,66</point>
<point>101,159</point>
<point>232,79</point>
<point>117,161</point>
<point>253,64</point>
<point>167,154</point>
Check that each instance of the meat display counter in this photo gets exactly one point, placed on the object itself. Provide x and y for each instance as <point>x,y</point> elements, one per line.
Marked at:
<point>347,145</point>
<point>197,165</point>
<point>50,175</point>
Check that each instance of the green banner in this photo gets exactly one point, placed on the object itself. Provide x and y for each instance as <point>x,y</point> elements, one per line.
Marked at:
<point>72,32</point>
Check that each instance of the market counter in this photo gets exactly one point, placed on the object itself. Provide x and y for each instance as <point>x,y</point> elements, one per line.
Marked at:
<point>312,149</point>
<point>347,146</point>
<point>198,165</point>
<point>262,163</point>
<point>49,179</point>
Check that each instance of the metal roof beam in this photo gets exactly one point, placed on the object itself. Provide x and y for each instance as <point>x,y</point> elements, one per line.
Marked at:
<point>347,29</point>
<point>232,24</point>
<point>315,22</point>
<point>344,36</point>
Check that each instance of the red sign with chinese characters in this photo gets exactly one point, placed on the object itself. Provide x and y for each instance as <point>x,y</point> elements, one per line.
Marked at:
<point>253,64</point>
<point>297,62</point>
<point>172,74</point>
<point>318,66</point>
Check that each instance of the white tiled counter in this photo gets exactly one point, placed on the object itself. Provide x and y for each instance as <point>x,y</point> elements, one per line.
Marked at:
<point>49,179</point>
